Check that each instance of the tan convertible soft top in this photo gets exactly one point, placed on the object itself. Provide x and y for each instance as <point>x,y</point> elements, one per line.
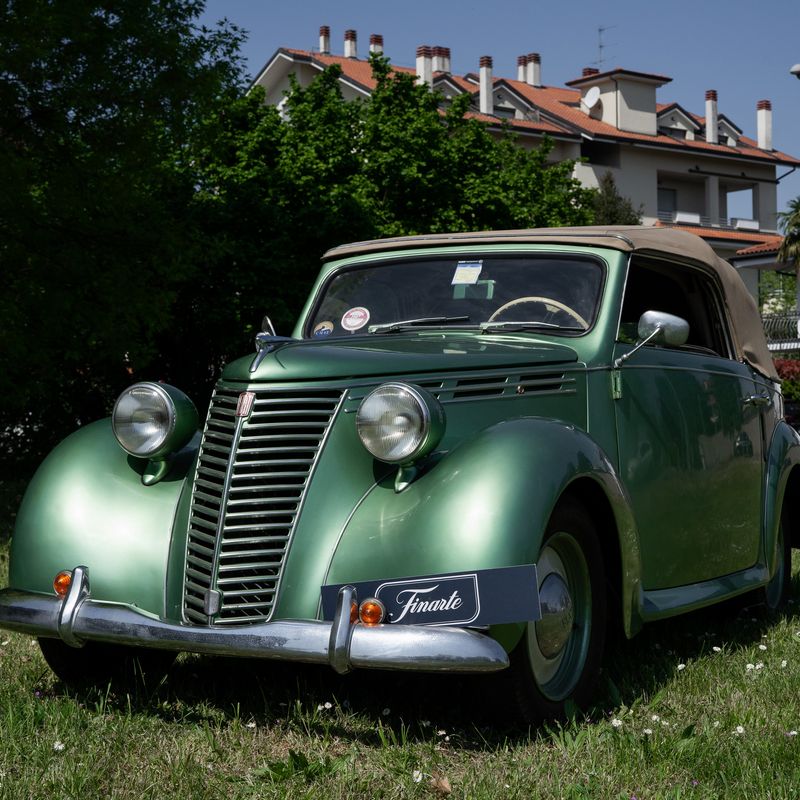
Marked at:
<point>750,342</point>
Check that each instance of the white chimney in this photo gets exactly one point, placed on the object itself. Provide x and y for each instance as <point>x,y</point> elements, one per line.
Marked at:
<point>764,120</point>
<point>376,43</point>
<point>325,40</point>
<point>522,68</point>
<point>424,65</point>
<point>445,59</point>
<point>350,49</point>
<point>712,120</point>
<point>534,69</point>
<point>486,88</point>
<point>441,59</point>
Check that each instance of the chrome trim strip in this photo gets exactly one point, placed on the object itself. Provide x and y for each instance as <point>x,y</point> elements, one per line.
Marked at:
<point>398,647</point>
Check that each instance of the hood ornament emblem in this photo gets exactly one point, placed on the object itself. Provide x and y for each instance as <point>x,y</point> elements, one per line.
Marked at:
<point>266,342</point>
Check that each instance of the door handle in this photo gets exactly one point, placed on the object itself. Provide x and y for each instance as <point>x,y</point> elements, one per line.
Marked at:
<point>758,400</point>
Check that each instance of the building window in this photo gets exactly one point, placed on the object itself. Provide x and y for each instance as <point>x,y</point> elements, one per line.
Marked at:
<point>602,154</point>
<point>667,201</point>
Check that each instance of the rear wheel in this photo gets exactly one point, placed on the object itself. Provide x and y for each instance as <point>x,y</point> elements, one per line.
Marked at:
<point>776,592</point>
<point>98,663</point>
<point>558,659</point>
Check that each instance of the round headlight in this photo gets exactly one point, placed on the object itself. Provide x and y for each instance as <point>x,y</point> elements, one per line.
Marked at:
<point>399,423</point>
<point>151,420</point>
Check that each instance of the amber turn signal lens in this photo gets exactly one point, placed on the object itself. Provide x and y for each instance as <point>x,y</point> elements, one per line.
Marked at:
<point>371,612</point>
<point>62,582</point>
<point>353,613</point>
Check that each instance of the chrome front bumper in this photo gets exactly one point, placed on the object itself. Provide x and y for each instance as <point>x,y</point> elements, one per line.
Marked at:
<point>78,619</point>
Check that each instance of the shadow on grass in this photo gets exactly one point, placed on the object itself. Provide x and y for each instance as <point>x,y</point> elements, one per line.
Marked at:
<point>206,690</point>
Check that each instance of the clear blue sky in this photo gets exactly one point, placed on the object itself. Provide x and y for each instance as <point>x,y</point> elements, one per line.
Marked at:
<point>744,50</point>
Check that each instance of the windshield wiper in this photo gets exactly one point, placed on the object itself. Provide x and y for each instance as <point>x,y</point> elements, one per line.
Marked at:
<point>510,325</point>
<point>389,327</point>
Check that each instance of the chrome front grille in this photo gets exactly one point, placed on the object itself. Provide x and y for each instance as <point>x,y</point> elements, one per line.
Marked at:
<point>251,477</point>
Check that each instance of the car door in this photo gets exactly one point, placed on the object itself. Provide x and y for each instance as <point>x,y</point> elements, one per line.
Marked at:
<point>689,433</point>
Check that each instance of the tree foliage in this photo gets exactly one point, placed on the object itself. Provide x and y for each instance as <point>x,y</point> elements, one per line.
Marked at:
<point>98,101</point>
<point>611,208</point>
<point>154,211</point>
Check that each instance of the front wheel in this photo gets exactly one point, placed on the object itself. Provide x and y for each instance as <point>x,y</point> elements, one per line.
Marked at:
<point>557,662</point>
<point>98,663</point>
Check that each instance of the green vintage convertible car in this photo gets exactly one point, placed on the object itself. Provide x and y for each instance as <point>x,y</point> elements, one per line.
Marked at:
<point>475,453</point>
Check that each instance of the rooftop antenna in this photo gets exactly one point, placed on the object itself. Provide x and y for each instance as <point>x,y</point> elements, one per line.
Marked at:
<point>601,44</point>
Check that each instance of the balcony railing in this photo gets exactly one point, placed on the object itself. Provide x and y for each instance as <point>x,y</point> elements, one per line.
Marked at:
<point>693,218</point>
<point>783,331</point>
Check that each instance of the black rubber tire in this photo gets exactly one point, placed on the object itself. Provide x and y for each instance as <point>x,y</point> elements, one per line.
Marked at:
<point>574,679</point>
<point>98,664</point>
<point>776,593</point>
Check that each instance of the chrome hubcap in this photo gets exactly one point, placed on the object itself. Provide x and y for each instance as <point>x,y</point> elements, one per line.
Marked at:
<point>558,616</point>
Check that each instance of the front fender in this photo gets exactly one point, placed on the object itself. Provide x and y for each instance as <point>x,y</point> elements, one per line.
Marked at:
<point>484,505</point>
<point>87,505</point>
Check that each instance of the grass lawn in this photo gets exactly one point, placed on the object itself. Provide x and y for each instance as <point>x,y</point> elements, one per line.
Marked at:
<point>705,706</point>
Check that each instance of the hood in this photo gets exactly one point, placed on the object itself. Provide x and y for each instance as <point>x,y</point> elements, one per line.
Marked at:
<point>397,354</point>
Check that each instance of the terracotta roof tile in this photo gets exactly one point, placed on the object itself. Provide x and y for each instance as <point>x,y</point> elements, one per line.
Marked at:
<point>766,248</point>
<point>723,234</point>
<point>561,107</point>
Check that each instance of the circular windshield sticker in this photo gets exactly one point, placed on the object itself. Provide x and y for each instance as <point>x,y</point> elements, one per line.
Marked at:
<point>355,319</point>
<point>323,329</point>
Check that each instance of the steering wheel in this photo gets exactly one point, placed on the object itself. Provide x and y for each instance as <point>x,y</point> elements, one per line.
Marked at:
<point>546,301</point>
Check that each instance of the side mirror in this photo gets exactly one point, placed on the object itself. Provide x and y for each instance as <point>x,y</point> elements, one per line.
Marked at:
<point>662,328</point>
<point>658,327</point>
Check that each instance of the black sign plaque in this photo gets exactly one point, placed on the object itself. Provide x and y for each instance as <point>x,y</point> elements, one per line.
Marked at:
<point>483,597</point>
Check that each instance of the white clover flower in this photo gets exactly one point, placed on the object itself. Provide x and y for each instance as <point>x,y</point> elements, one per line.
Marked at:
<point>716,649</point>
<point>616,723</point>
<point>739,730</point>
<point>784,662</point>
<point>655,718</point>
<point>441,733</point>
<point>762,647</point>
<point>647,731</point>
<point>749,667</point>
<point>328,705</point>
<point>760,665</point>
<point>681,667</point>
<point>58,746</point>
<point>416,776</point>
<point>791,733</point>
<point>250,725</point>
<point>665,723</point>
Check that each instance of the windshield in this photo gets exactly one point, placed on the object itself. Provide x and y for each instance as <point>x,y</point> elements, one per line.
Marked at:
<point>554,294</point>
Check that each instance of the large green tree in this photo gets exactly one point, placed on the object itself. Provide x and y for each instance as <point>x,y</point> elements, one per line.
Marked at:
<point>98,102</point>
<point>155,211</point>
